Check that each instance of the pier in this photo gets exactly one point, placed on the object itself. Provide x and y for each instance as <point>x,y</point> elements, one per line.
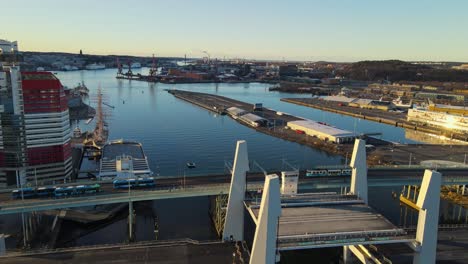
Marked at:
<point>275,124</point>
<point>384,153</point>
<point>379,116</point>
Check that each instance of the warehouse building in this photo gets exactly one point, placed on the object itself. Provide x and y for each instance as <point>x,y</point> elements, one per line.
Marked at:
<point>321,131</point>
<point>235,111</point>
<point>253,120</point>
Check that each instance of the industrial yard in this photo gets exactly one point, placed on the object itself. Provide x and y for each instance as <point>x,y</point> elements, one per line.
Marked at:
<point>394,118</point>
<point>295,129</point>
<point>263,120</point>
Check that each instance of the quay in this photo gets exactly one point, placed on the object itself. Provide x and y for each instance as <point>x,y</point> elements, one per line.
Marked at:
<point>169,80</point>
<point>383,152</point>
<point>379,116</point>
<point>273,122</point>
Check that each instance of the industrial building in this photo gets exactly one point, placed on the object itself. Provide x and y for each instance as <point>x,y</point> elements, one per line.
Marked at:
<point>253,120</point>
<point>123,158</point>
<point>456,123</point>
<point>235,112</point>
<point>321,131</point>
<point>449,109</point>
<point>35,127</point>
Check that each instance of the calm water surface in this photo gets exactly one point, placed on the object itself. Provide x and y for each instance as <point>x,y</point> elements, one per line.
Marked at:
<point>173,131</point>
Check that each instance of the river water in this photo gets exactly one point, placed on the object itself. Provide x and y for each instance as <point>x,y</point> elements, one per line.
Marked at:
<point>173,132</point>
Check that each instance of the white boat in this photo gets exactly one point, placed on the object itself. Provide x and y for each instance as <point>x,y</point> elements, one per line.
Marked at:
<point>135,65</point>
<point>95,66</point>
<point>89,121</point>
<point>69,68</point>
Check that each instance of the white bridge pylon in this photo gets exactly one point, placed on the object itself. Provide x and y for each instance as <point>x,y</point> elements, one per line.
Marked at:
<point>264,249</point>
<point>234,223</point>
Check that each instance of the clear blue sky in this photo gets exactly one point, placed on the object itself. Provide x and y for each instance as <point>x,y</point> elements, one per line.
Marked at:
<point>337,30</point>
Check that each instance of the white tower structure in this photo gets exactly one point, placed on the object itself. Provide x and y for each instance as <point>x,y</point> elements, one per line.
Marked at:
<point>428,220</point>
<point>264,244</point>
<point>359,167</point>
<point>289,180</point>
<point>234,224</point>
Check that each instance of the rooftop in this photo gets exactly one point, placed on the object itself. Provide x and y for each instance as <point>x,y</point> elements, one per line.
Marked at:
<point>329,130</point>
<point>252,117</point>
<point>119,148</point>
<point>38,76</point>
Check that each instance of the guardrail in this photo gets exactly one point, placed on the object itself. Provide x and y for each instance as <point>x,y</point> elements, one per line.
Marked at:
<point>18,206</point>
<point>120,246</point>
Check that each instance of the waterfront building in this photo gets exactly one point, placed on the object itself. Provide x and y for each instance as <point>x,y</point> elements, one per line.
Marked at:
<point>322,131</point>
<point>7,47</point>
<point>34,127</point>
<point>443,120</point>
<point>123,159</point>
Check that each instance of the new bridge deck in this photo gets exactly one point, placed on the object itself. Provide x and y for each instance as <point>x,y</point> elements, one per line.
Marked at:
<point>169,188</point>
<point>323,220</point>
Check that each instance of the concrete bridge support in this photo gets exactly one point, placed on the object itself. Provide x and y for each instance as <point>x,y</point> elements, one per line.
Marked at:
<point>234,223</point>
<point>426,232</point>
<point>2,245</point>
<point>131,219</point>
<point>264,244</point>
<point>359,167</point>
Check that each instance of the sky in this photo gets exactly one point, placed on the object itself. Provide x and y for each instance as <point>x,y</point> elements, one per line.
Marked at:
<point>309,30</point>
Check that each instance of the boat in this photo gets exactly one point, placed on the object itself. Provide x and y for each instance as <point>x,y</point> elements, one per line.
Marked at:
<point>89,120</point>
<point>95,66</point>
<point>191,165</point>
<point>134,65</point>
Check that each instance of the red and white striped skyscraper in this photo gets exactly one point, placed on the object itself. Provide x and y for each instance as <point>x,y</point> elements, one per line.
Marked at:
<point>34,127</point>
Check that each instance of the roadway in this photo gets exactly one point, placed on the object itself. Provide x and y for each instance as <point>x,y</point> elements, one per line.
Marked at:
<point>178,187</point>
<point>163,252</point>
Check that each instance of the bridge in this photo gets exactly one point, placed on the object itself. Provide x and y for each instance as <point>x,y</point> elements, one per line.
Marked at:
<point>174,187</point>
<point>289,221</point>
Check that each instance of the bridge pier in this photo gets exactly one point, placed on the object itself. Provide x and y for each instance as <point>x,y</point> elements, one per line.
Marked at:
<point>264,244</point>
<point>130,221</point>
<point>347,255</point>
<point>234,223</point>
<point>426,232</point>
<point>2,245</point>
<point>359,168</point>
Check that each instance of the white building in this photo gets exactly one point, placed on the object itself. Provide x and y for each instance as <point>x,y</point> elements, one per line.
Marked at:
<point>321,131</point>
<point>253,120</point>
<point>8,47</point>
<point>439,119</point>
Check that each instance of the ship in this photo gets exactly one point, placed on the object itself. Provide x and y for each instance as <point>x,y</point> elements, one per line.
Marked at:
<point>95,66</point>
<point>134,65</point>
<point>123,160</point>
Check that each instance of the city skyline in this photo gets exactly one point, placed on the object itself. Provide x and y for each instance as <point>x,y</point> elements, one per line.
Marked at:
<point>303,30</point>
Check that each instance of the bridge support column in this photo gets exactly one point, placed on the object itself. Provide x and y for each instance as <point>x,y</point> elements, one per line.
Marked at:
<point>234,223</point>
<point>347,255</point>
<point>266,233</point>
<point>2,245</point>
<point>426,232</point>
<point>359,174</point>
<point>130,221</point>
